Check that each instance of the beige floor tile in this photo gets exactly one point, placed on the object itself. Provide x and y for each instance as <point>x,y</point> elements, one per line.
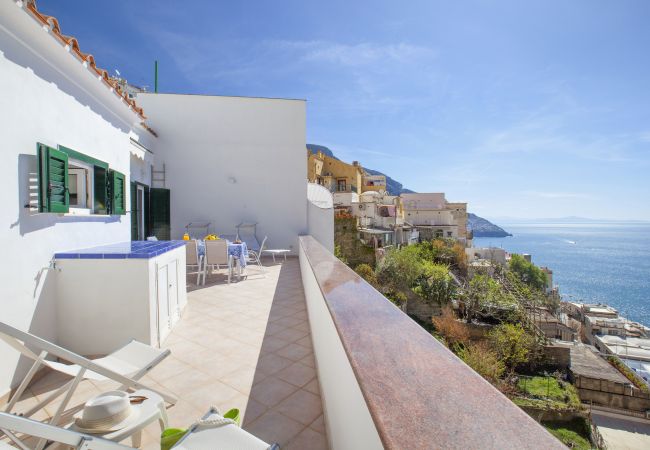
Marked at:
<point>308,439</point>
<point>297,374</point>
<point>170,367</point>
<point>291,334</point>
<point>305,342</point>
<point>303,326</point>
<point>183,382</point>
<point>318,425</point>
<point>273,427</point>
<point>272,344</point>
<point>294,352</point>
<point>301,406</point>
<point>313,387</point>
<point>252,410</point>
<point>243,378</point>
<point>271,364</point>
<point>309,360</point>
<point>214,393</point>
<point>271,391</point>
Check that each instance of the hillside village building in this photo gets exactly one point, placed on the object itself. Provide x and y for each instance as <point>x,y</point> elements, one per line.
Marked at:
<point>433,216</point>
<point>381,220</point>
<point>334,174</point>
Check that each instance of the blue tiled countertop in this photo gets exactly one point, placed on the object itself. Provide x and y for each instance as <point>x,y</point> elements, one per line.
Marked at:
<point>123,250</point>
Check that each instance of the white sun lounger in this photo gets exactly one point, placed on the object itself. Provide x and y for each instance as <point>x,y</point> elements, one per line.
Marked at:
<point>229,436</point>
<point>11,425</point>
<point>125,366</point>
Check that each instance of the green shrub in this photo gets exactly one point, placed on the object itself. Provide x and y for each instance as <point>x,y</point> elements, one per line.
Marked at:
<point>367,273</point>
<point>512,343</point>
<point>435,284</point>
<point>398,298</point>
<point>527,272</point>
<point>483,360</point>
<point>400,268</point>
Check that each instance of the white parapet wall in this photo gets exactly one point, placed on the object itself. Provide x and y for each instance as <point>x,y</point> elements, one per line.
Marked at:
<point>347,417</point>
<point>320,215</point>
<point>233,159</point>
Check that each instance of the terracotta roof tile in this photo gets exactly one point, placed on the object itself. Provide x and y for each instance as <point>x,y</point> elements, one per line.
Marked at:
<point>88,60</point>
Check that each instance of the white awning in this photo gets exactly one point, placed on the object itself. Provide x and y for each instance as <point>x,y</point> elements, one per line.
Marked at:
<point>138,150</point>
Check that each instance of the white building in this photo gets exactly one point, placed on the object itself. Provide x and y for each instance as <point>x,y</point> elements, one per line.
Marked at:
<point>82,160</point>
<point>435,217</point>
<point>381,219</point>
<point>491,254</point>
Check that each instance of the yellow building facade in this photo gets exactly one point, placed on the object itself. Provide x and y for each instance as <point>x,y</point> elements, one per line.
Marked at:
<point>334,174</point>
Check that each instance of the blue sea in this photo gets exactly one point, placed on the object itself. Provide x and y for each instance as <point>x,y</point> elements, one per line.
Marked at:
<point>591,262</point>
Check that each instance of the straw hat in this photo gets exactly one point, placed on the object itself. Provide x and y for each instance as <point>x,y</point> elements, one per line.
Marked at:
<point>106,413</point>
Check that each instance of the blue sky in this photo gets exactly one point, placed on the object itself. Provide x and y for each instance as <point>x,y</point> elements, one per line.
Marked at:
<point>522,109</point>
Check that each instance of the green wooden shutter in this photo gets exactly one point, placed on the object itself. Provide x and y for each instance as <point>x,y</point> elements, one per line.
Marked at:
<point>117,192</point>
<point>134,212</point>
<point>159,213</point>
<point>53,195</point>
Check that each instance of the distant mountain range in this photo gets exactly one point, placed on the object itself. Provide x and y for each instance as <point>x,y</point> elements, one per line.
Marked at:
<point>481,227</point>
<point>563,220</point>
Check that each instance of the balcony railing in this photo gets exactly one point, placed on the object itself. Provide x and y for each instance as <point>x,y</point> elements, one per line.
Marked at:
<point>335,188</point>
<point>387,383</point>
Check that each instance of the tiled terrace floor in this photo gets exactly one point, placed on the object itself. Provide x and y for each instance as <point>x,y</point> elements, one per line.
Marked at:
<point>246,345</point>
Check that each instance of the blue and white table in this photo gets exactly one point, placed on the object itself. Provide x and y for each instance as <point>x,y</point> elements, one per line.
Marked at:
<point>238,251</point>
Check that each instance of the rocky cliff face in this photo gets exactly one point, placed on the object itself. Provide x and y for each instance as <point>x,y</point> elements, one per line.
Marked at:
<point>484,228</point>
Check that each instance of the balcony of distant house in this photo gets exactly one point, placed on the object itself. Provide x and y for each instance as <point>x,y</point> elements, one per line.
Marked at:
<point>341,185</point>
<point>374,183</point>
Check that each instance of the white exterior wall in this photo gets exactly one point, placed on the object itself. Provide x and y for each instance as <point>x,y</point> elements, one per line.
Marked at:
<point>435,200</point>
<point>494,254</point>
<point>345,198</point>
<point>429,217</point>
<point>233,159</point>
<point>47,96</point>
<point>320,215</point>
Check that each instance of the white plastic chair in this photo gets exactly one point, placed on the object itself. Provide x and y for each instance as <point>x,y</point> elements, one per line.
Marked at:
<point>247,232</point>
<point>254,256</point>
<point>10,425</point>
<point>216,255</point>
<point>194,259</point>
<point>125,366</point>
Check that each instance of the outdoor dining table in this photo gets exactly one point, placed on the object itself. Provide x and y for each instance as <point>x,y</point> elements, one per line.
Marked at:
<point>238,251</point>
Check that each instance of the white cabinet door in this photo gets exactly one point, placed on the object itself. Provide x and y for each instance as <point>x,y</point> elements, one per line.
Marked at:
<point>172,277</point>
<point>164,323</point>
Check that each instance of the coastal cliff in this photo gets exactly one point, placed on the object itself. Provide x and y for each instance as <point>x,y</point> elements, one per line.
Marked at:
<point>484,228</point>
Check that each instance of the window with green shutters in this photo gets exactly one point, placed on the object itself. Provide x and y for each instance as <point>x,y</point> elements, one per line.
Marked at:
<point>53,195</point>
<point>117,192</point>
<point>69,181</point>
